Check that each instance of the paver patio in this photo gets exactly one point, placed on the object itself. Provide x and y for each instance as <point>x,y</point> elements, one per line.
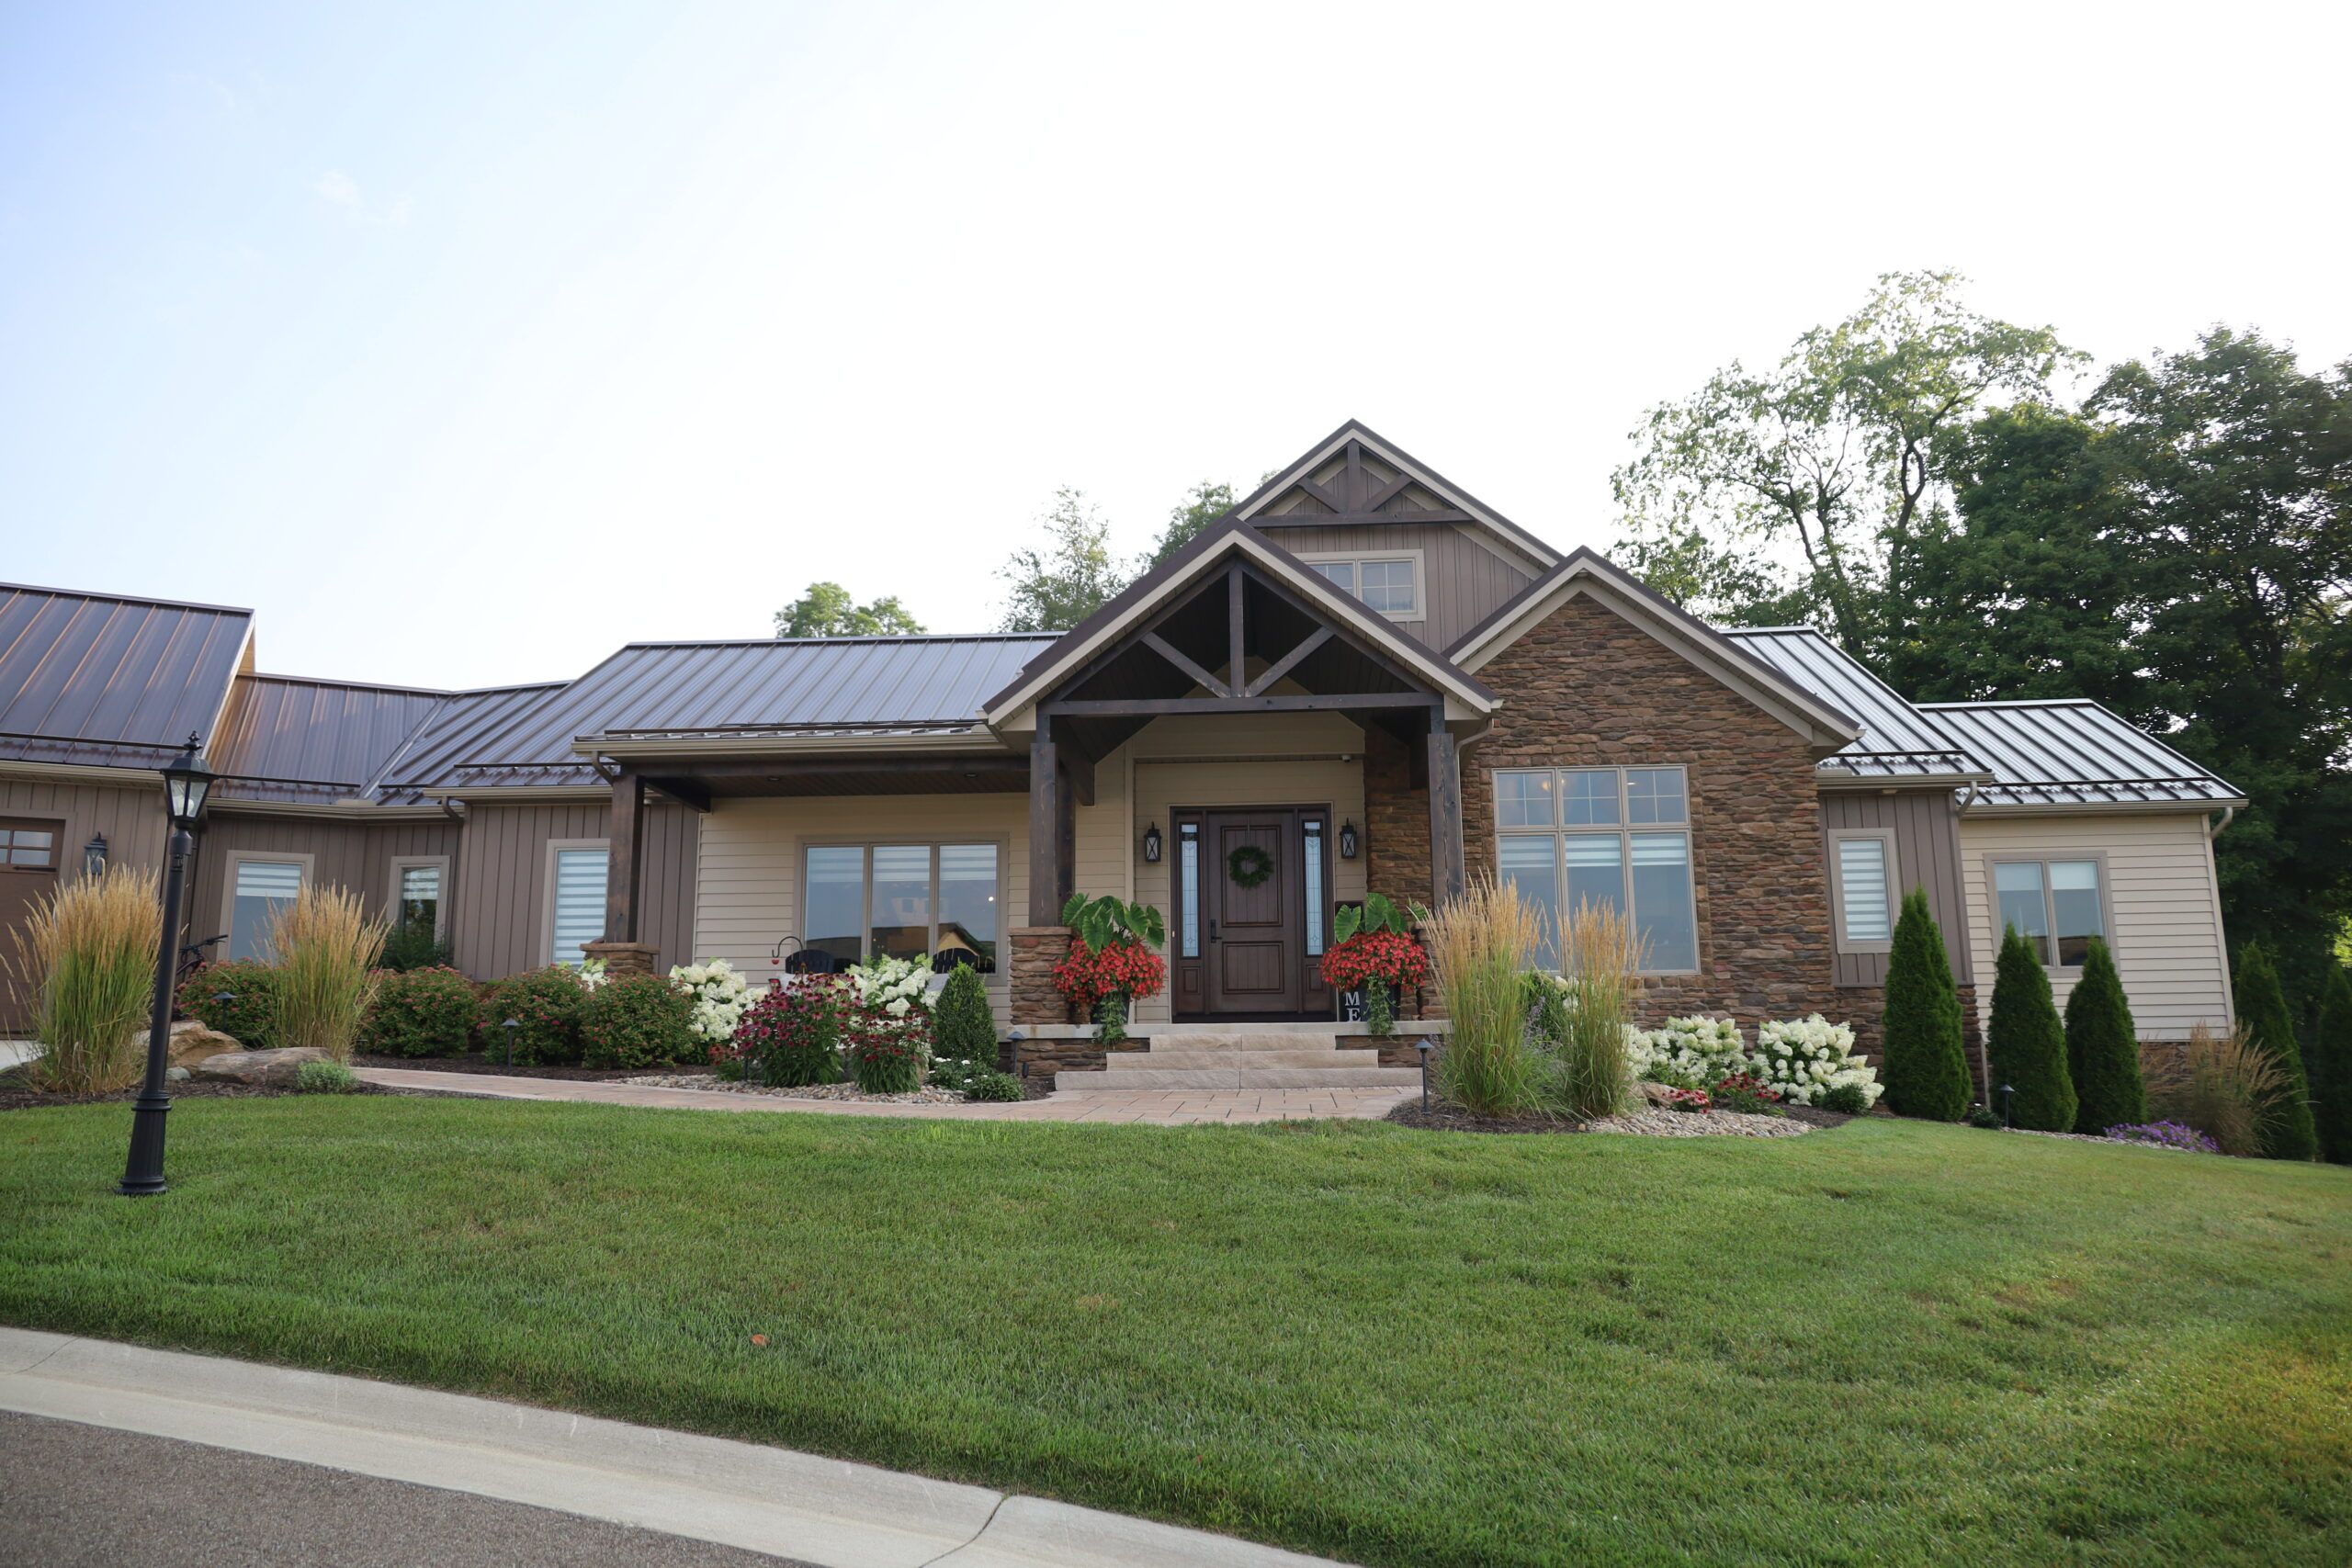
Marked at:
<point>1165,1107</point>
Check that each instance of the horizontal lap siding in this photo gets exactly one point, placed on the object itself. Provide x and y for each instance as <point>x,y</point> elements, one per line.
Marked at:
<point>748,886</point>
<point>2169,942</point>
<point>1923,827</point>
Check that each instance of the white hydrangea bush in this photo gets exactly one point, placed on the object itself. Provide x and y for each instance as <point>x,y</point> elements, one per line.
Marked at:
<point>1805,1058</point>
<point>589,972</point>
<point>721,997</point>
<point>1692,1052</point>
<point>892,985</point>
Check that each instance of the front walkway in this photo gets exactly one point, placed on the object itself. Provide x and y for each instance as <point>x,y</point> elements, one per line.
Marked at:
<point>1165,1107</point>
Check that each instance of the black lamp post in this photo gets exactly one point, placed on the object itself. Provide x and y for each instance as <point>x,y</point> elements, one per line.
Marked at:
<point>186,783</point>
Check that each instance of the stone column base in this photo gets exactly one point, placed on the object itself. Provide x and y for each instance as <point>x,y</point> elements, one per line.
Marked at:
<point>1036,951</point>
<point>624,957</point>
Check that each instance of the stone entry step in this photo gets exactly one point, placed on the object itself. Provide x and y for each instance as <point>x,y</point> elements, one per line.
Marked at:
<point>1238,1058</point>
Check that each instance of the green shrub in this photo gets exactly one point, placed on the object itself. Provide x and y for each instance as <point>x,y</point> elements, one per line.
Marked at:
<point>2025,1045</point>
<point>963,1029</point>
<point>412,945</point>
<point>1984,1116</point>
<point>887,1055</point>
<point>2103,1048</point>
<point>638,1021</point>
<point>325,1078</point>
<point>546,1005</point>
<point>987,1083</point>
<point>422,1012</point>
<point>2331,1067</point>
<point>1847,1099</point>
<point>1924,1059</point>
<point>2263,1015</point>
<point>238,999</point>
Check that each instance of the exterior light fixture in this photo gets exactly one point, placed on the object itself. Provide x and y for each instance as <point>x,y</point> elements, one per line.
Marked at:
<point>1423,1046</point>
<point>186,782</point>
<point>1151,844</point>
<point>1348,841</point>
<point>508,1029</point>
<point>2008,1098</point>
<point>94,856</point>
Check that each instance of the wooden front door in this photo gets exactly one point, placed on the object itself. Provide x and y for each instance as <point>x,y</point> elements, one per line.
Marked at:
<point>29,855</point>
<point>1255,933</point>
<point>1254,951</point>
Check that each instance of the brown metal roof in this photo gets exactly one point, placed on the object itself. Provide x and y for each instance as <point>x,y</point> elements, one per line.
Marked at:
<point>463,726</point>
<point>288,739</point>
<point>109,680</point>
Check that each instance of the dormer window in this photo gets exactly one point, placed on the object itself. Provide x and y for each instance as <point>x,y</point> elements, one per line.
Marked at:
<point>1389,583</point>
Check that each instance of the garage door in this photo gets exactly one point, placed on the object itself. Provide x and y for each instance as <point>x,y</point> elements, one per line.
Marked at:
<point>27,875</point>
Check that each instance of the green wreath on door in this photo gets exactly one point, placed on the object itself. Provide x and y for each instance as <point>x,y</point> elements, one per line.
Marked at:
<point>1249,865</point>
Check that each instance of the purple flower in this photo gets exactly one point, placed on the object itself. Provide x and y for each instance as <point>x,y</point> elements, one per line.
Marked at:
<point>2168,1135</point>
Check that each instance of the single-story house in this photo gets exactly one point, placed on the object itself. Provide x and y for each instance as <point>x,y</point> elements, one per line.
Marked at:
<point>1361,678</point>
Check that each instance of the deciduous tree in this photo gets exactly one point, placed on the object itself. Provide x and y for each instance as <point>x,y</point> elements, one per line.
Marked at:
<point>1055,584</point>
<point>828,610</point>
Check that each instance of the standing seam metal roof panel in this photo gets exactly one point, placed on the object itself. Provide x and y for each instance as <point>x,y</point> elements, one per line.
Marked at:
<point>90,673</point>
<point>285,738</point>
<point>2072,751</point>
<point>1811,659</point>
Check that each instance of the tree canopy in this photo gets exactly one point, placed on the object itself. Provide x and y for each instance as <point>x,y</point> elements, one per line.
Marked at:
<point>1068,576</point>
<point>1203,505</point>
<point>828,610</point>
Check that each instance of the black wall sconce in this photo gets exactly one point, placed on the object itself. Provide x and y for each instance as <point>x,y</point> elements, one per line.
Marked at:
<point>94,856</point>
<point>1348,841</point>
<point>1151,844</point>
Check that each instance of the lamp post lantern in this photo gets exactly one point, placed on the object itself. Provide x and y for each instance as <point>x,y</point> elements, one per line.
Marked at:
<point>186,785</point>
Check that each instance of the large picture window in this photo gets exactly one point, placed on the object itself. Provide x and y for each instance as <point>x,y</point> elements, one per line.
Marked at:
<point>2056,905</point>
<point>1611,836</point>
<point>902,900</point>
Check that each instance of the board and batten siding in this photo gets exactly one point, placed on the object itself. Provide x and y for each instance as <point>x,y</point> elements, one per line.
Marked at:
<point>2162,893</point>
<point>130,816</point>
<point>338,852</point>
<point>1923,826</point>
<point>1463,581</point>
<point>498,918</point>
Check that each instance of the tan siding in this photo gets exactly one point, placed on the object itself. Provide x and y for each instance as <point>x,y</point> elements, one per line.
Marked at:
<point>2168,939</point>
<point>1467,581</point>
<point>502,881</point>
<point>132,817</point>
<point>748,887</point>
<point>1923,827</point>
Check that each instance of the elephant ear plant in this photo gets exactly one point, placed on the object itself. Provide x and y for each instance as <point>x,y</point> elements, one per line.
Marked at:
<point>1371,953</point>
<point>1114,958</point>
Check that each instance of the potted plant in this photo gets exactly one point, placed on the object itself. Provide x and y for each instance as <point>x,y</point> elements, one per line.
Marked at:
<point>1371,961</point>
<point>1114,959</point>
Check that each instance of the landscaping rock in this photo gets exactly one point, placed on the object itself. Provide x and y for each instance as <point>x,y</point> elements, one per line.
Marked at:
<point>271,1068</point>
<point>1656,1093</point>
<point>192,1042</point>
<point>177,1075</point>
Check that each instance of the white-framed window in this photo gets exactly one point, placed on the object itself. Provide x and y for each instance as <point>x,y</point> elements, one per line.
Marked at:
<point>2058,903</point>
<point>259,886</point>
<point>903,899</point>
<point>421,893</point>
<point>1862,883</point>
<point>1613,837</point>
<point>1389,581</point>
<point>575,917</point>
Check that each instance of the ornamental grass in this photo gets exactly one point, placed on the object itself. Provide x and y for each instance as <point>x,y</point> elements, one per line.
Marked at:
<point>85,965</point>
<point>326,949</point>
<point>2225,1086</point>
<point>1480,942</point>
<point>1600,954</point>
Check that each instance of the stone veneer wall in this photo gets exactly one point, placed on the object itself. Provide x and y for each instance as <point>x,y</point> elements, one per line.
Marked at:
<point>1036,951</point>
<point>1396,819</point>
<point>1588,689</point>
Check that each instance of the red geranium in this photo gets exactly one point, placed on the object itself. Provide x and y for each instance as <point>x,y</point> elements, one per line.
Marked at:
<point>1367,957</point>
<point>1124,968</point>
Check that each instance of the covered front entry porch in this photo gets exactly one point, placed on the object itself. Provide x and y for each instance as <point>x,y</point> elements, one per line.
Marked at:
<point>1244,654</point>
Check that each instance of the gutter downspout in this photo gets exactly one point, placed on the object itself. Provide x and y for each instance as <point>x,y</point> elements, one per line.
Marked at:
<point>2215,830</point>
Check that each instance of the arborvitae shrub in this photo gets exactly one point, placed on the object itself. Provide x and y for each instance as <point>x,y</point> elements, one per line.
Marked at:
<point>1924,1060</point>
<point>963,1030</point>
<point>2263,1015</point>
<point>2025,1045</point>
<point>2331,1068</point>
<point>2103,1048</point>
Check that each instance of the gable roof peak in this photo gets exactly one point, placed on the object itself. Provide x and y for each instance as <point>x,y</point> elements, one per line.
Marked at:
<point>1356,442</point>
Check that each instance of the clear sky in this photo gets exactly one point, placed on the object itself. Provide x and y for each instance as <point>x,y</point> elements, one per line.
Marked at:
<point>468,342</point>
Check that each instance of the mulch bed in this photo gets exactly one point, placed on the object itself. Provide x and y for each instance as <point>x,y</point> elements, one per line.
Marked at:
<point>1444,1118</point>
<point>492,1064</point>
<point>16,1094</point>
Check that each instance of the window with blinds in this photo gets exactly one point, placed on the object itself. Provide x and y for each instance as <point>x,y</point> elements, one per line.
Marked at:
<point>579,903</point>
<point>420,897</point>
<point>1865,892</point>
<point>260,889</point>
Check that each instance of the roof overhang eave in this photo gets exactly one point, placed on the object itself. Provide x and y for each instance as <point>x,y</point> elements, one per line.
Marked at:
<point>628,748</point>
<point>2199,807</point>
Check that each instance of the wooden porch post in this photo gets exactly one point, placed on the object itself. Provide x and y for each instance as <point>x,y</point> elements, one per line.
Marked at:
<point>621,871</point>
<point>1446,872</point>
<point>1048,803</point>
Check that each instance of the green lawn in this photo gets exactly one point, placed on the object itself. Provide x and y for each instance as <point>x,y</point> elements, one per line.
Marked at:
<point>1886,1343</point>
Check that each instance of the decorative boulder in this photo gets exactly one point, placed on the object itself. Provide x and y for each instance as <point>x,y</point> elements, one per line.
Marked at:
<point>192,1042</point>
<point>272,1069</point>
